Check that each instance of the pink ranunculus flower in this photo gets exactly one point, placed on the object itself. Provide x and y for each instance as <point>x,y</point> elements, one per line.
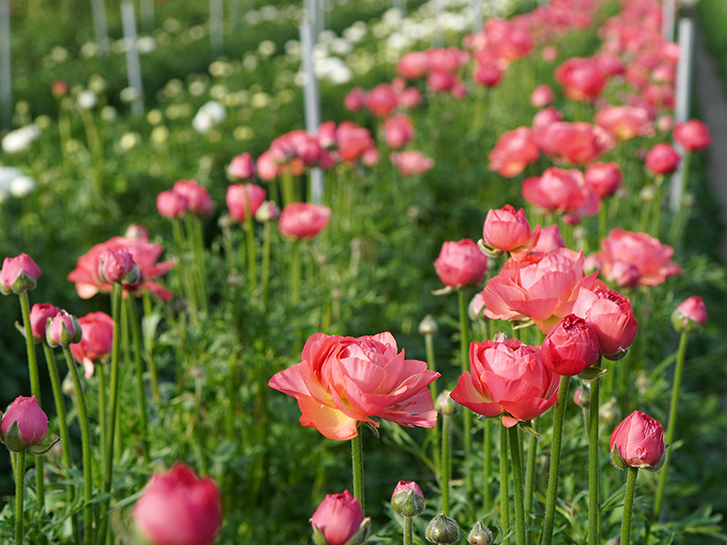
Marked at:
<point>577,143</point>
<point>343,381</point>
<point>355,99</point>
<point>242,167</point>
<point>18,274</point>
<point>381,100</point>
<point>542,287</point>
<point>690,315</point>
<point>353,141</point>
<point>549,240</point>
<point>692,135</point>
<point>508,230</point>
<point>39,314</point>
<point>557,190</point>
<point>177,507</point>
<point>237,200</point>
<point>461,264</point>
<point>63,329</point>
<point>570,347</point>
<point>640,252</point>
<point>662,159</point>
<point>267,168</point>
<point>514,151</point>
<point>145,255</point>
<point>603,178</point>
<point>541,96</point>
<point>171,204</point>
<point>411,162</point>
<point>441,81</point>
<point>413,65</point>
<point>488,73</point>
<point>339,519</point>
<point>301,220</point>
<point>407,499</point>
<point>117,265</point>
<point>31,424</point>
<point>610,316</point>
<point>625,122</point>
<point>96,342</point>
<point>399,131</point>
<point>198,198</point>
<point>507,378</point>
<point>581,78</point>
<point>639,442</point>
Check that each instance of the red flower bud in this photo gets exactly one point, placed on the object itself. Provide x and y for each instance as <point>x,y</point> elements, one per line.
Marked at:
<point>570,347</point>
<point>662,159</point>
<point>638,441</point>
<point>31,424</point>
<point>242,167</point>
<point>692,135</point>
<point>39,315</point>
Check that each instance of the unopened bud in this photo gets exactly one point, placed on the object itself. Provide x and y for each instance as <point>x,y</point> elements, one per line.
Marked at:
<point>407,499</point>
<point>480,535</point>
<point>442,529</point>
<point>428,326</point>
<point>446,405</point>
<point>582,397</point>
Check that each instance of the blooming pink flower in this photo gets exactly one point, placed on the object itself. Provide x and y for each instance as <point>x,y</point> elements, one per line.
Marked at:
<point>609,315</point>
<point>514,151</point>
<point>441,81</point>
<point>353,141</point>
<point>603,178</point>
<point>413,65</point>
<point>198,199</point>
<point>570,347</point>
<point>557,190</point>
<point>399,131</point>
<point>39,314</point>
<point>690,315</point>
<point>544,118</point>
<point>662,159</point>
<point>541,96</point>
<point>506,378</point>
<point>242,167</point>
<point>381,100</point>
<point>18,274</point>
<point>355,99</point>
<point>32,424</point>
<point>145,255</point>
<point>339,518</point>
<point>411,162</point>
<point>302,220</point>
<point>692,135</point>
<point>461,264</point>
<point>509,41</point>
<point>267,168</point>
<point>237,200</point>
<point>625,122</point>
<point>549,240</point>
<point>342,381</point>
<point>578,143</point>
<point>639,441</point>
<point>171,204</point>
<point>581,78</point>
<point>488,74</point>
<point>411,97</point>
<point>177,507</point>
<point>509,231</point>
<point>647,258</point>
<point>96,342</point>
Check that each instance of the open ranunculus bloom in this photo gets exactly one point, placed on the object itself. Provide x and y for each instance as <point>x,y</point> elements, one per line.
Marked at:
<point>342,381</point>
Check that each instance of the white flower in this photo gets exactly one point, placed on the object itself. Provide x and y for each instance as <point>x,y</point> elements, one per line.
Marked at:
<point>22,186</point>
<point>7,175</point>
<point>86,100</point>
<point>210,114</point>
<point>19,140</point>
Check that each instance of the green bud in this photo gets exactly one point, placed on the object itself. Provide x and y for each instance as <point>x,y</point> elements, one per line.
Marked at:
<point>480,535</point>
<point>446,405</point>
<point>442,529</point>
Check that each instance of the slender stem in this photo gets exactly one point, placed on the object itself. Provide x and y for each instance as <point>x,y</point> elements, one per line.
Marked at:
<point>552,494</point>
<point>628,506</point>
<point>133,320</point>
<point>149,349</point>
<point>295,273</point>
<point>594,465</point>
<point>250,233</point>
<point>530,469</point>
<point>504,506</point>
<point>602,223</point>
<point>432,365</point>
<point>231,396</point>
<point>466,415</point>
<point>408,530</point>
<point>34,388</point>
<point>19,495</point>
<point>101,375</point>
<point>286,188</point>
<point>446,461</point>
<point>182,277</point>
<point>517,476</point>
<point>85,447</point>
<point>682,350</point>
<point>194,230</point>
<point>267,235</point>
<point>358,470</point>
<point>487,469</point>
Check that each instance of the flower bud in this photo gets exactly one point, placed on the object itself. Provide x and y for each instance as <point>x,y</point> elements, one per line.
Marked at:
<point>39,315</point>
<point>480,535</point>
<point>662,159</point>
<point>608,412</point>
<point>117,265</point>
<point>242,167</point>
<point>62,330</point>
<point>268,211</point>
<point>570,347</point>
<point>446,405</point>
<point>582,397</point>
<point>461,264</point>
<point>442,529</point>
<point>690,316</point>
<point>24,425</point>
<point>428,326</point>
<point>476,307</point>
<point>407,499</point>
<point>339,520</point>
<point>638,441</point>
<point>18,274</point>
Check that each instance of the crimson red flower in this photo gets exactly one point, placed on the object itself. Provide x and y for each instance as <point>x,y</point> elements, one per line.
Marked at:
<point>461,264</point>
<point>639,442</point>
<point>302,220</point>
<point>342,381</point>
<point>570,347</point>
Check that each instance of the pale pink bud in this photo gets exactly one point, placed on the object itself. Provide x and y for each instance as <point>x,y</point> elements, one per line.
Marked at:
<point>31,424</point>
<point>242,167</point>
<point>18,274</point>
<point>691,315</point>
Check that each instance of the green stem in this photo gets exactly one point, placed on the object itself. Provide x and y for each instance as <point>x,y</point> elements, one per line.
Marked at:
<point>504,506</point>
<point>267,235</point>
<point>60,405</point>
<point>295,273</point>
<point>432,365</point>
<point>250,233</point>
<point>101,375</point>
<point>357,466</point>
<point>149,349</point>
<point>659,182</point>
<point>34,389</point>
<point>517,475</point>
<point>408,530</point>
<point>681,353</point>
<point>446,464</point>
<point>19,496</point>
<point>530,468</point>
<point>594,465</point>
<point>628,505</point>
<point>200,265</point>
<point>487,469</point>
<point>466,415</point>
<point>552,493</point>
<point>231,396</point>
<point>133,320</point>
<point>85,447</point>
<point>602,223</point>
<point>182,277</point>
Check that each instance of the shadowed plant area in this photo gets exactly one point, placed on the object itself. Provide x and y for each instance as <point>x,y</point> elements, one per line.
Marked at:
<point>476,300</point>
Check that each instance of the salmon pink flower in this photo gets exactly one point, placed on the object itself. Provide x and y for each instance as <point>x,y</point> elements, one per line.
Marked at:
<point>301,220</point>
<point>353,141</point>
<point>692,135</point>
<point>413,65</point>
<point>441,81</point>
<point>557,190</point>
<point>549,240</point>
<point>97,340</point>
<point>603,178</point>
<point>177,507</point>
<point>18,274</point>
<point>339,520</point>
<point>242,167</point>
<point>507,378</point>
<point>198,199</point>
<point>171,204</point>
<point>610,316</point>
<point>31,424</point>
<point>342,381</point>
<point>355,99</point>
<point>625,122</point>
<point>662,159</point>
<point>514,151</point>
<point>577,143</point>
<point>690,316</point>
<point>237,200</point>
<point>570,347</point>
<point>461,264</point>
<point>581,78</point>
<point>399,131</point>
<point>411,162</point>
<point>39,315</point>
<point>544,118</point>
<point>411,97</point>
<point>508,231</point>
<point>488,74</point>
<point>638,441</point>
<point>541,96</point>
<point>267,168</point>
<point>381,100</point>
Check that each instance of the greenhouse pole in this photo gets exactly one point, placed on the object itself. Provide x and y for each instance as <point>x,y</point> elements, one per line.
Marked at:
<point>312,105</point>
<point>683,102</point>
<point>133,66</point>
<point>147,16</point>
<point>99,26</point>
<point>216,28</point>
<point>668,18</point>
<point>6,82</point>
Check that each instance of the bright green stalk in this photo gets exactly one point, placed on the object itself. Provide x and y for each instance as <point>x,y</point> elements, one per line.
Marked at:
<point>408,530</point>
<point>149,345</point>
<point>183,278</point>
<point>286,188</point>
<point>466,415</point>
<point>487,447</point>
<point>446,461</point>
<point>295,273</point>
<point>594,466</point>
<point>19,496</point>
<point>194,230</point>
<point>682,350</point>
<point>250,233</point>
<point>267,234</point>
<point>34,388</point>
<point>432,365</point>
<point>101,375</point>
<point>530,469</point>
<point>628,506</point>
<point>133,320</point>
<point>658,182</point>
<point>357,465</point>
<point>552,494</point>
<point>517,476</point>
<point>504,505</point>
<point>85,447</point>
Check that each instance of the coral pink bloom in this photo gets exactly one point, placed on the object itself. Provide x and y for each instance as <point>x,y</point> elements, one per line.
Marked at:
<point>647,258</point>
<point>446,60</point>
<point>31,423</point>
<point>440,81</point>
<point>541,96</point>
<point>39,314</point>
<point>509,41</point>
<point>342,381</point>
<point>508,231</point>
<point>301,220</point>
<point>267,168</point>
<point>338,518</point>
<point>171,204</point>
<point>514,151</point>
<point>461,264</point>
<point>355,99</point>
<point>546,117</point>
<point>625,122</point>
<point>237,200</point>
<point>381,100</point>
<point>690,316</point>
<point>581,78</point>
<point>557,190</point>
<point>488,74</point>
<point>242,167</point>
<point>97,340</point>
<point>609,63</point>
<point>399,131</point>
<point>692,135</point>
<point>411,162</point>
<point>177,507</point>
<point>603,178</point>
<point>145,255</point>
<point>326,134</point>
<point>507,378</point>
<point>662,159</point>
<point>413,65</point>
<point>577,143</point>
<point>198,199</point>
<point>411,97</point>
<point>570,347</point>
<point>18,274</point>
<point>639,440</point>
<point>353,141</point>
<point>549,240</point>
<point>541,287</point>
<point>609,315</point>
